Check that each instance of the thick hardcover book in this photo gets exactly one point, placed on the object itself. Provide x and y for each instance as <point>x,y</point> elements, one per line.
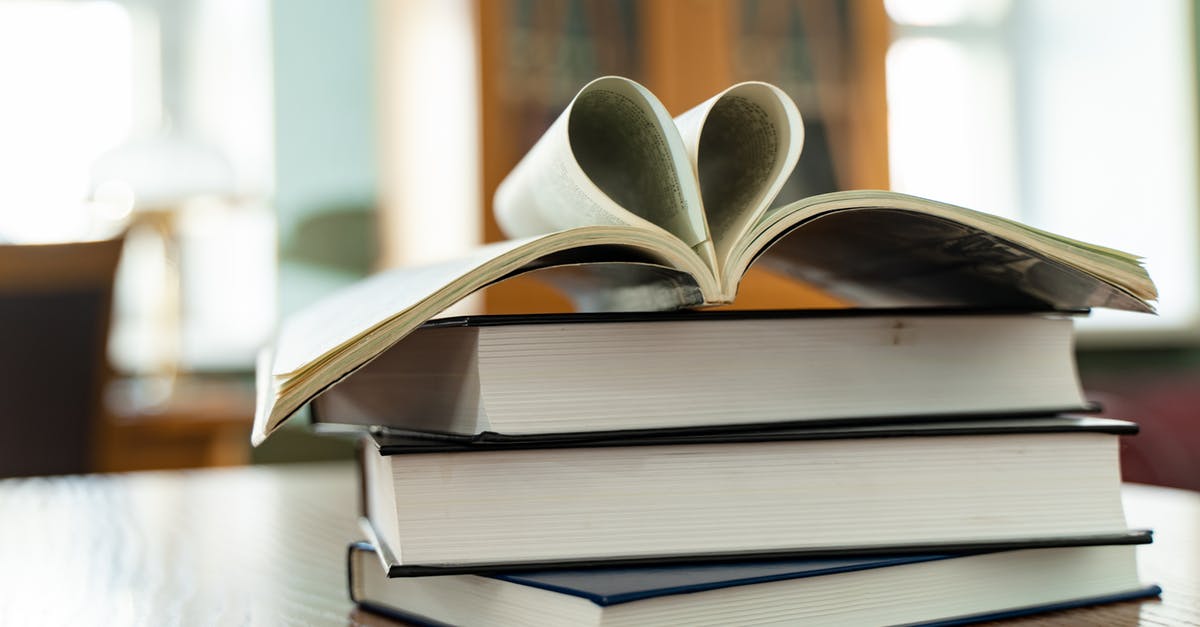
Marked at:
<point>520,375</point>
<point>930,589</point>
<point>625,209</point>
<point>439,506</point>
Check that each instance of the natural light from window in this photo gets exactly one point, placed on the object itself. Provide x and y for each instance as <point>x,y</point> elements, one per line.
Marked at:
<point>66,75</point>
<point>1076,116</point>
<point>162,110</point>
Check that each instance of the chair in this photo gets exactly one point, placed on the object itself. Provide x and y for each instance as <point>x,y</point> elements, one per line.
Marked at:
<point>55,307</point>
<point>1166,405</point>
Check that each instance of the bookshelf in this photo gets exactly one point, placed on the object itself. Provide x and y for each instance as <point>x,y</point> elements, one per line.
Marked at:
<point>534,55</point>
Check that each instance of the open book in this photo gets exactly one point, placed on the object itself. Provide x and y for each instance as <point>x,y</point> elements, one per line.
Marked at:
<point>630,210</point>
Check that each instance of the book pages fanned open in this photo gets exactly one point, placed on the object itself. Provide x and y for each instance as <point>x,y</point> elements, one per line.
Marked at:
<point>628,210</point>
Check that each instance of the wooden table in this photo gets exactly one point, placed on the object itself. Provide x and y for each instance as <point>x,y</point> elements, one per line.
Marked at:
<point>199,422</point>
<point>266,545</point>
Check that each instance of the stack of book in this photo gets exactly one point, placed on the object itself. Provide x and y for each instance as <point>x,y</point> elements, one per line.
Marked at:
<point>917,457</point>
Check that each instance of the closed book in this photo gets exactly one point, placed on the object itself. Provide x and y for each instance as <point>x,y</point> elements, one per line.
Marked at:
<point>522,375</point>
<point>933,589</point>
<point>440,507</point>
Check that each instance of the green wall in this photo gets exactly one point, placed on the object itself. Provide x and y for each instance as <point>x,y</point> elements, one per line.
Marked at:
<point>326,165</point>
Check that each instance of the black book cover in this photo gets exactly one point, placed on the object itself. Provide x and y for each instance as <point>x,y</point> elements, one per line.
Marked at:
<point>691,315</point>
<point>394,442</point>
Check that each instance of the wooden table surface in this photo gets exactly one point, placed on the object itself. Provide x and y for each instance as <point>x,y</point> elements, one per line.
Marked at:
<point>266,545</point>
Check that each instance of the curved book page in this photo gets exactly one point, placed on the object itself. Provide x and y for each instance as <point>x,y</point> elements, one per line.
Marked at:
<point>743,143</point>
<point>329,340</point>
<point>885,249</point>
<point>613,157</point>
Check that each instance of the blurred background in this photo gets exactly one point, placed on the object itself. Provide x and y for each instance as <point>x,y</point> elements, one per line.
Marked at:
<point>175,175</point>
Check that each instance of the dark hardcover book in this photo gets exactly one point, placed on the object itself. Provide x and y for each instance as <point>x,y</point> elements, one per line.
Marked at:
<point>552,374</point>
<point>932,589</point>
<point>941,486</point>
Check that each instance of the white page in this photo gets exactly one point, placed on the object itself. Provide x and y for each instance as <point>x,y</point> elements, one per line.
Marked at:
<point>612,157</point>
<point>743,144</point>
<point>322,328</point>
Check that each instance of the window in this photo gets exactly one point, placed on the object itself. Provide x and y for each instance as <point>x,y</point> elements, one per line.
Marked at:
<point>1074,116</point>
<point>67,79</point>
<point>171,101</point>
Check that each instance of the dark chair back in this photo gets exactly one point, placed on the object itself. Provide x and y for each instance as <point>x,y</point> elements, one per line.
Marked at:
<point>55,306</point>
